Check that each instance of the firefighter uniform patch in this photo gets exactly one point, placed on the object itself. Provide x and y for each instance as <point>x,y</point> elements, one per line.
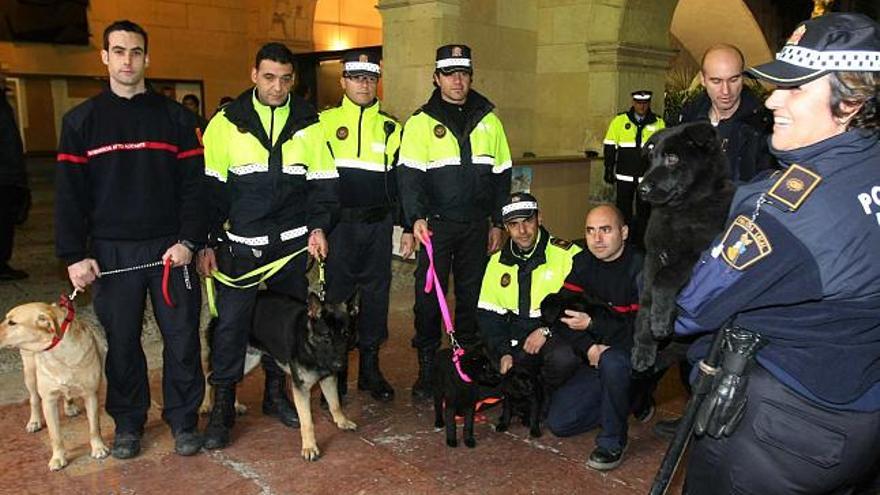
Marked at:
<point>744,244</point>
<point>792,188</point>
<point>342,133</point>
<point>505,280</point>
<point>439,131</point>
<point>561,243</point>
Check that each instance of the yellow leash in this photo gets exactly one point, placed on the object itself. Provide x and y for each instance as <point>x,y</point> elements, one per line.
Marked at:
<point>264,272</point>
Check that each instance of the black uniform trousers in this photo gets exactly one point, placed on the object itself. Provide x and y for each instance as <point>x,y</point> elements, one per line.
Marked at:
<point>359,258</point>
<point>459,247</point>
<point>11,199</point>
<point>119,303</point>
<point>786,444</point>
<point>637,219</point>
<point>235,307</point>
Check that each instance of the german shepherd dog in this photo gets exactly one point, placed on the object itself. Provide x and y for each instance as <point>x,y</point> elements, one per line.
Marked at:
<point>310,343</point>
<point>452,395</point>
<point>523,395</point>
<point>689,189</point>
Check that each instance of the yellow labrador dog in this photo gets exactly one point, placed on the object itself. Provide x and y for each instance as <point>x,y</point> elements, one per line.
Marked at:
<point>67,363</point>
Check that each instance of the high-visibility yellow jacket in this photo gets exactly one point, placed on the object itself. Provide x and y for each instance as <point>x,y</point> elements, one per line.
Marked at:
<point>364,142</point>
<point>454,174</point>
<point>623,143</point>
<point>509,307</point>
<point>272,176</point>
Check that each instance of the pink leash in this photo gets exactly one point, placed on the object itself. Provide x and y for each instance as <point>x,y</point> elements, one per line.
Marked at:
<point>431,279</point>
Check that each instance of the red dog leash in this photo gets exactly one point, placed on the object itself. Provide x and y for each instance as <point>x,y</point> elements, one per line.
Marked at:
<point>65,302</point>
<point>432,281</point>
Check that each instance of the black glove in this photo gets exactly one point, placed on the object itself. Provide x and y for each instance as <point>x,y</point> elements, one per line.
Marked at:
<point>609,175</point>
<point>723,407</point>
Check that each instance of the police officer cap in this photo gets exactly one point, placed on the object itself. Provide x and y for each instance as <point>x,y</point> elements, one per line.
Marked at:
<point>360,63</point>
<point>454,58</point>
<point>642,95</point>
<point>519,205</point>
<point>839,41</point>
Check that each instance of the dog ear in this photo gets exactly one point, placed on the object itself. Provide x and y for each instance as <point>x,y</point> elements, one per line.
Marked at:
<point>47,322</point>
<point>315,306</point>
<point>702,134</point>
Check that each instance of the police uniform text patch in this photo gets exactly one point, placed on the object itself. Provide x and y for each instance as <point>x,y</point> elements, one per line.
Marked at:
<point>793,187</point>
<point>744,243</point>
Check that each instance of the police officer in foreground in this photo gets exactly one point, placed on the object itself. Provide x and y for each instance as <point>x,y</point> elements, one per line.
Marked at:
<point>274,191</point>
<point>530,266</point>
<point>454,180</point>
<point>796,402</point>
<point>624,165</point>
<point>364,141</point>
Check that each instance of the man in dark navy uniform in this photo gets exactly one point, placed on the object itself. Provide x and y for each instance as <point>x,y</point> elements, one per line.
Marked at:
<point>795,404</point>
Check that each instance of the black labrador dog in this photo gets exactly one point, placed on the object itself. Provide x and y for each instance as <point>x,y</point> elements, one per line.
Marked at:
<point>689,189</point>
<point>309,341</point>
<point>523,394</point>
<point>452,395</point>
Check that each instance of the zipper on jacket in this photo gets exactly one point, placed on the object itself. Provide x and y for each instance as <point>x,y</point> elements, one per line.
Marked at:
<point>360,119</point>
<point>271,128</point>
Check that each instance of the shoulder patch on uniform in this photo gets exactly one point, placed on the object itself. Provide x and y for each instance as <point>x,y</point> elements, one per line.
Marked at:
<point>792,188</point>
<point>744,244</point>
<point>562,243</point>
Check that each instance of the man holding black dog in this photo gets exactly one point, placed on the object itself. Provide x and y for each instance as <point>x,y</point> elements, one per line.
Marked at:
<point>273,194</point>
<point>531,265</point>
<point>599,392</point>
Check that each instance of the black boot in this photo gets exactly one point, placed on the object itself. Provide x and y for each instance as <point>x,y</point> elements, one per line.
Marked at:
<point>275,400</point>
<point>221,419</point>
<point>423,388</point>
<point>370,376</point>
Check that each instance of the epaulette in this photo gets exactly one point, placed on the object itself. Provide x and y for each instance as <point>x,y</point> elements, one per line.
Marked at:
<point>792,188</point>
<point>561,243</point>
<point>392,117</point>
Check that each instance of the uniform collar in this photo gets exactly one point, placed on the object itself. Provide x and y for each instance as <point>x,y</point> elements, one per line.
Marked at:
<point>831,154</point>
<point>349,106</point>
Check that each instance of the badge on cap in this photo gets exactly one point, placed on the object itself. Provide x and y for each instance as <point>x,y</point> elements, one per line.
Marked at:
<point>439,130</point>
<point>744,244</point>
<point>505,280</point>
<point>456,51</point>
<point>793,187</point>
<point>342,133</point>
<point>363,58</point>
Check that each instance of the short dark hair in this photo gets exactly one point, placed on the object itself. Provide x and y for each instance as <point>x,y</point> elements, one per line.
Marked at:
<point>191,97</point>
<point>124,25</point>
<point>275,52</point>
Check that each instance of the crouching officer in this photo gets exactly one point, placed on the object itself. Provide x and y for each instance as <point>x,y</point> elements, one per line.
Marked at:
<point>274,192</point>
<point>455,178</point>
<point>530,266</point>
<point>364,141</point>
<point>802,415</point>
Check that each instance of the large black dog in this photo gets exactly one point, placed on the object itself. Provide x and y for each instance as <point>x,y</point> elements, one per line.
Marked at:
<point>310,342</point>
<point>690,192</point>
<point>452,395</point>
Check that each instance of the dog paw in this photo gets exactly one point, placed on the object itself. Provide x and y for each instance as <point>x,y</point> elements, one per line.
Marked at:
<point>311,453</point>
<point>205,408</point>
<point>501,427</point>
<point>240,409</point>
<point>71,409</point>
<point>643,357</point>
<point>451,442</point>
<point>99,451</point>
<point>470,443</point>
<point>346,424</point>
<point>535,432</point>
<point>33,426</point>
<point>57,463</point>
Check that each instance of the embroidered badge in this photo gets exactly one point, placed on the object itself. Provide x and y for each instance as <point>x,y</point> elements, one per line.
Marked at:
<point>456,51</point>
<point>342,133</point>
<point>793,187</point>
<point>363,58</point>
<point>744,244</point>
<point>627,126</point>
<point>505,280</point>
<point>562,243</point>
<point>439,131</point>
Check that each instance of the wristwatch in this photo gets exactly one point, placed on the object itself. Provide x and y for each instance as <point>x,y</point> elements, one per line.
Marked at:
<point>546,332</point>
<point>188,244</point>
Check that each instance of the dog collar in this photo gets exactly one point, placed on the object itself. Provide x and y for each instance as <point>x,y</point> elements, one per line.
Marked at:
<point>66,303</point>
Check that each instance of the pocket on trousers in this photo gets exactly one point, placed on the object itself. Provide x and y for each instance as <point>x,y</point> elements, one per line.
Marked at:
<point>799,434</point>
